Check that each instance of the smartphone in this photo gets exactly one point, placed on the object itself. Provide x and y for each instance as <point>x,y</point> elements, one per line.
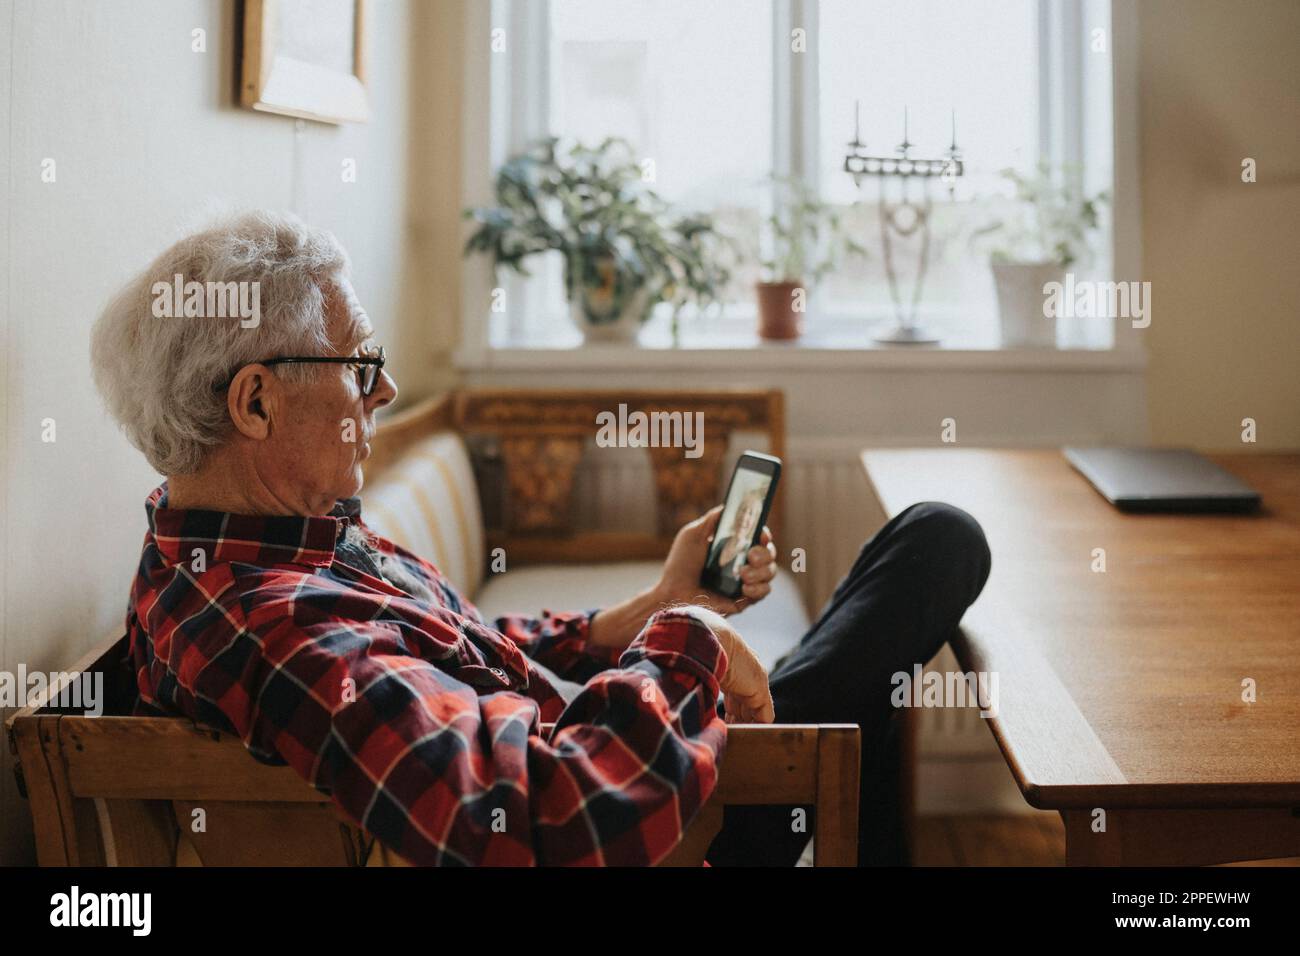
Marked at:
<point>744,512</point>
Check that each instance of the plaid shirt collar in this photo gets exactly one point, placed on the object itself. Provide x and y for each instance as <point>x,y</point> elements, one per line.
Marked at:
<point>252,539</point>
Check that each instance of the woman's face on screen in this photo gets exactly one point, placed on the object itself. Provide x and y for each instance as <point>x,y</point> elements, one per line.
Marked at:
<point>747,520</point>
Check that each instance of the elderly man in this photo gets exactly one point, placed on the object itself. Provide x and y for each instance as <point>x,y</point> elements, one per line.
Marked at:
<point>264,605</point>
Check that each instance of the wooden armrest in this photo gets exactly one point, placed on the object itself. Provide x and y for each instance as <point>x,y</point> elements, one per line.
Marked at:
<point>817,764</point>
<point>149,773</point>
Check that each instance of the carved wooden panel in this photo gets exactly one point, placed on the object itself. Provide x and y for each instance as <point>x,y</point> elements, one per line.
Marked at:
<point>541,435</point>
<point>685,487</point>
<point>540,470</point>
<point>577,411</point>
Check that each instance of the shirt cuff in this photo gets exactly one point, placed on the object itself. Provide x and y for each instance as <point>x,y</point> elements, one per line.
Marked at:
<point>677,640</point>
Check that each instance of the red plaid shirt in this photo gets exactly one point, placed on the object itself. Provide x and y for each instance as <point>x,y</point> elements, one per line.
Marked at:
<point>420,720</point>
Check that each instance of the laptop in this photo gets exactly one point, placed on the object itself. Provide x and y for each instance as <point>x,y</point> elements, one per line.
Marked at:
<point>1162,479</point>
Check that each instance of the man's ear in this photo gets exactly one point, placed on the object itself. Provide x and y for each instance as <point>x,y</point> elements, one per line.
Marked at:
<point>252,400</point>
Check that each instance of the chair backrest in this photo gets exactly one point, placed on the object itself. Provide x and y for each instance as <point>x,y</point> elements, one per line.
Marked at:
<point>161,791</point>
<point>425,500</point>
<point>154,791</point>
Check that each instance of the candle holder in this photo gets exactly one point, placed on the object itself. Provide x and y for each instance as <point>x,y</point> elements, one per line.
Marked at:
<point>904,217</point>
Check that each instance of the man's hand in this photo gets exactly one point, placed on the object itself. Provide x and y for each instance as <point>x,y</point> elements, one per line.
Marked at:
<point>680,582</point>
<point>618,624</point>
<point>745,693</point>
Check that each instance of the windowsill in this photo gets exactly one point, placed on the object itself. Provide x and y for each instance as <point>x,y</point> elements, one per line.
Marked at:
<point>828,344</point>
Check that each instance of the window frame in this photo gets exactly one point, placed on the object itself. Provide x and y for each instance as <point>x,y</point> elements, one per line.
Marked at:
<point>504,108</point>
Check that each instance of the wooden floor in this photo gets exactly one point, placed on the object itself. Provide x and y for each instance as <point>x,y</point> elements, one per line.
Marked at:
<point>1022,840</point>
<point>1036,839</point>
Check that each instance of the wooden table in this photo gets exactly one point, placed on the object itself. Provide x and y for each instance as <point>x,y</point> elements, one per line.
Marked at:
<point>1121,691</point>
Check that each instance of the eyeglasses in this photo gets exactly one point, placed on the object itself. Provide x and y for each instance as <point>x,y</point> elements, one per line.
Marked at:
<point>367,367</point>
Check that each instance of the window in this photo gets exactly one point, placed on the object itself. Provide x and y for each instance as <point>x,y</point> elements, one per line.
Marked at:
<point>972,64</point>
<point>689,84</point>
<point>716,95</point>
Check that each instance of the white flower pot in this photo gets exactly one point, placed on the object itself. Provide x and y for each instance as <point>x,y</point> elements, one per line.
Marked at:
<point>609,309</point>
<point>621,329</point>
<point>1020,303</point>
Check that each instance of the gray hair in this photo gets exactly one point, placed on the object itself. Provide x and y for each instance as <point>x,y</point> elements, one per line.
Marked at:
<point>158,375</point>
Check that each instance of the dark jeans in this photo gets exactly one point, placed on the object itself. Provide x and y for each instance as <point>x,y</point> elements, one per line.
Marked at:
<point>900,602</point>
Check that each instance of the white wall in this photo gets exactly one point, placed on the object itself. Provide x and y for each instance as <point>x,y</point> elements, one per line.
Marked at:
<point>1220,83</point>
<point>144,133</point>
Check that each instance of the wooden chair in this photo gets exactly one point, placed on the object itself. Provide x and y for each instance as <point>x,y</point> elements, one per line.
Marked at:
<point>118,790</point>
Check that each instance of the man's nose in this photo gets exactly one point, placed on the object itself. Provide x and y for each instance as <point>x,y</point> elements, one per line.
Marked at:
<point>385,391</point>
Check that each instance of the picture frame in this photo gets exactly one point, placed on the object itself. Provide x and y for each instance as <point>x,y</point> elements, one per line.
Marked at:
<point>305,58</point>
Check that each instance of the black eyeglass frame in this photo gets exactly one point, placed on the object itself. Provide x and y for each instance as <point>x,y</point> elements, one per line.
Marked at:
<point>369,378</point>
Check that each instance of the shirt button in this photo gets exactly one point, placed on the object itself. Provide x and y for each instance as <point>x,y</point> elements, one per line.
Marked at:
<point>499,674</point>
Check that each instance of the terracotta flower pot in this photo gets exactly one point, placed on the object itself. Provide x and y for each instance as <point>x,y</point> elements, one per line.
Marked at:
<point>777,318</point>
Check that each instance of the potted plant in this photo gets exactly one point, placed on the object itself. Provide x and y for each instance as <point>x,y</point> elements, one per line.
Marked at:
<point>624,250</point>
<point>807,240</point>
<point>1038,234</point>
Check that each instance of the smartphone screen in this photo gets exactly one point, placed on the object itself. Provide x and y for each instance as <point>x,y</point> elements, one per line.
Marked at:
<point>744,512</point>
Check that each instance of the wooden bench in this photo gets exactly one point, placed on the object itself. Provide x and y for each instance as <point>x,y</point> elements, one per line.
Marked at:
<point>118,790</point>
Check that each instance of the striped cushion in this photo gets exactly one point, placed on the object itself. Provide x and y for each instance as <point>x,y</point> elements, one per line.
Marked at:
<point>427,502</point>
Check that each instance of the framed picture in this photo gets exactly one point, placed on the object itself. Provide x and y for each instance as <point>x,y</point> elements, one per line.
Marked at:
<point>305,58</point>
